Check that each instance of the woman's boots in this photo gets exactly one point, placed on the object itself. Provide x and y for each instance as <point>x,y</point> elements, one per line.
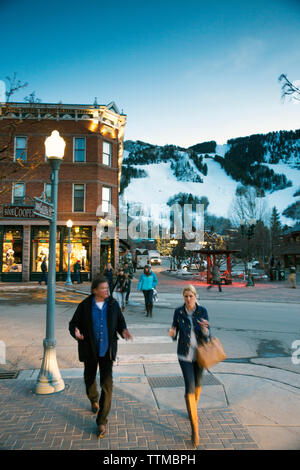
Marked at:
<point>149,310</point>
<point>191,406</point>
<point>197,394</point>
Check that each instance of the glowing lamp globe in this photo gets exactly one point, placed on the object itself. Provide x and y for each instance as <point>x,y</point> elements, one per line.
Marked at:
<point>55,146</point>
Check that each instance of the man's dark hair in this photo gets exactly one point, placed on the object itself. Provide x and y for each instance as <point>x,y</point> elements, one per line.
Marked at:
<point>98,280</point>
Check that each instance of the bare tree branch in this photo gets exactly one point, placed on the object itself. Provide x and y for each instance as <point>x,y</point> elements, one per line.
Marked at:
<point>288,88</point>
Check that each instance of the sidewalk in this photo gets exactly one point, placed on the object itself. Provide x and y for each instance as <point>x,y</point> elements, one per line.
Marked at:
<point>262,292</point>
<point>148,410</point>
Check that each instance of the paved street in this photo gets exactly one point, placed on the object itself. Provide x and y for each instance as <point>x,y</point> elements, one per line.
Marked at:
<point>257,387</point>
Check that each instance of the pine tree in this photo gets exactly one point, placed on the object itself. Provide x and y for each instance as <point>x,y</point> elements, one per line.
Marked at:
<point>275,232</point>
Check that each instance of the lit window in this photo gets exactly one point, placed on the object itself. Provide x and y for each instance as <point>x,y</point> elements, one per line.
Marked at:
<point>21,148</point>
<point>79,149</point>
<point>18,193</point>
<point>78,197</point>
<point>106,199</point>
<point>106,159</point>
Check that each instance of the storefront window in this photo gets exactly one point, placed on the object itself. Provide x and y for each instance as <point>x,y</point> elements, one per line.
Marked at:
<point>81,248</point>
<point>12,250</point>
<point>40,247</point>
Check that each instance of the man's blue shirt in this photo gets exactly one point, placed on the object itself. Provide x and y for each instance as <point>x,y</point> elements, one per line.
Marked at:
<point>100,327</point>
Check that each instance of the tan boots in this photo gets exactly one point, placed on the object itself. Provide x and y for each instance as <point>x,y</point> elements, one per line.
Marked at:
<point>191,406</point>
<point>197,394</point>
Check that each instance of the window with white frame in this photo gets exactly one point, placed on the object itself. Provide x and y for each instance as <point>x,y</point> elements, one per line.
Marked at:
<point>20,148</point>
<point>79,149</point>
<point>106,154</point>
<point>18,193</point>
<point>78,197</point>
<point>106,199</point>
<point>47,191</point>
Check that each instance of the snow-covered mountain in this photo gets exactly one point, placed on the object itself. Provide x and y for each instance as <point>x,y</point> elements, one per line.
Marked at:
<point>153,174</point>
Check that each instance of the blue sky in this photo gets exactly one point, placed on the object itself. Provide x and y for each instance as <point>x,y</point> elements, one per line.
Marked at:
<point>183,71</point>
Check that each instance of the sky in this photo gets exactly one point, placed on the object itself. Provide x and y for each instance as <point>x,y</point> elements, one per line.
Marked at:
<point>182,71</point>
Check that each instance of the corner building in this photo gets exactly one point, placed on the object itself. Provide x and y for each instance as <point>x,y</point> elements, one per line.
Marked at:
<point>89,176</point>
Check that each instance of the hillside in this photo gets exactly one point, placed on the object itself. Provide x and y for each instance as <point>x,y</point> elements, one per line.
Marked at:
<point>153,174</point>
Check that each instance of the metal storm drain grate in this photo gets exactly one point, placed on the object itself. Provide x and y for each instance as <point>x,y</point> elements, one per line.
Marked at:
<point>177,381</point>
<point>130,380</point>
<point>11,374</point>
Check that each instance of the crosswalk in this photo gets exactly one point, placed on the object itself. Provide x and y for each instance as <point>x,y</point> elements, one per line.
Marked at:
<point>151,344</point>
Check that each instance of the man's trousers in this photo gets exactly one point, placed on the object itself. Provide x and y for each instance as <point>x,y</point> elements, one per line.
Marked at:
<point>106,384</point>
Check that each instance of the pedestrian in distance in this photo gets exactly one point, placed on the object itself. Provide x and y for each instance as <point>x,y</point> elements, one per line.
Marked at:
<point>191,326</point>
<point>96,324</point>
<point>120,287</point>
<point>134,264</point>
<point>147,282</point>
<point>109,276</point>
<point>216,278</point>
<point>44,272</point>
<point>128,271</point>
<point>77,269</point>
<point>292,277</point>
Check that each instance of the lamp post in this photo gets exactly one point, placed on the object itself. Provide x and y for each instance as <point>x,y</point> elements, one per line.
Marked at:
<point>173,244</point>
<point>247,230</point>
<point>49,379</point>
<point>69,280</point>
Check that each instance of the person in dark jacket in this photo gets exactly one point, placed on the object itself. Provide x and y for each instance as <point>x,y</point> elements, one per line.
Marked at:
<point>77,268</point>
<point>190,322</point>
<point>96,324</point>
<point>128,271</point>
<point>120,286</point>
<point>44,271</point>
<point>109,275</point>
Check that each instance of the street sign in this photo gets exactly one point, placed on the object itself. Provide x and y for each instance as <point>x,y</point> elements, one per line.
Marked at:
<point>42,208</point>
<point>13,211</point>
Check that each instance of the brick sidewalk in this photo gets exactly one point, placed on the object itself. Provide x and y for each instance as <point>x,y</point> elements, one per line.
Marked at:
<point>64,421</point>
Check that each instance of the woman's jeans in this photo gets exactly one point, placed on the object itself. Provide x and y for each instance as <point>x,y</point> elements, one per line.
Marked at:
<point>148,294</point>
<point>121,298</point>
<point>192,374</point>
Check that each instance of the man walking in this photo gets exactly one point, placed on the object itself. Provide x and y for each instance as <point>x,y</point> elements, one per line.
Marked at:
<point>129,273</point>
<point>109,276</point>
<point>44,271</point>
<point>216,278</point>
<point>77,269</point>
<point>95,325</point>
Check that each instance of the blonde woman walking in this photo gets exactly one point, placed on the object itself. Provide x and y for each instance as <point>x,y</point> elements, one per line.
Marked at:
<point>190,322</point>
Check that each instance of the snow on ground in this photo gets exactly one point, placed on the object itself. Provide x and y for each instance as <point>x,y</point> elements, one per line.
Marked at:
<point>219,188</point>
<point>284,197</point>
<point>161,184</point>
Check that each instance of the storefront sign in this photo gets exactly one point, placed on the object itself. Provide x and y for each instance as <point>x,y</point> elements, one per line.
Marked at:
<point>42,209</point>
<point>18,212</point>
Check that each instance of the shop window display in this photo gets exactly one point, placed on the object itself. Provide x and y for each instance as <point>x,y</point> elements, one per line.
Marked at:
<point>81,245</point>
<point>40,248</point>
<point>12,250</point>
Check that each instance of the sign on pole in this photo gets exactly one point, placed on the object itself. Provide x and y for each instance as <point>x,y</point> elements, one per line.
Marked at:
<point>42,208</point>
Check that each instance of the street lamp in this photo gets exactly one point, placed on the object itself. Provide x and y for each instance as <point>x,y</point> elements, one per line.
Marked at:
<point>69,280</point>
<point>247,230</point>
<point>173,244</point>
<point>49,379</point>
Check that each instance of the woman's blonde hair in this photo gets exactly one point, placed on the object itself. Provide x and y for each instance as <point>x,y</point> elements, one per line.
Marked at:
<point>190,288</point>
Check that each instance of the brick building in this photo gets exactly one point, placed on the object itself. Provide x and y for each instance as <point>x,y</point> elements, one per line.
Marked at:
<point>89,176</point>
